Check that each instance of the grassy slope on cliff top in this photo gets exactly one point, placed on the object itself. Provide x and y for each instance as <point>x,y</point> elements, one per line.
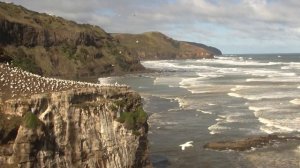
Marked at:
<point>156,43</point>
<point>60,54</point>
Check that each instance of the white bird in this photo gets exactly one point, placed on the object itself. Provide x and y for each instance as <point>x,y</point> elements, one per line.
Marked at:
<point>187,144</point>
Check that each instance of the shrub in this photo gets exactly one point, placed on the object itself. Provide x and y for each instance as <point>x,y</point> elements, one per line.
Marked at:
<point>133,120</point>
<point>30,120</point>
<point>141,115</point>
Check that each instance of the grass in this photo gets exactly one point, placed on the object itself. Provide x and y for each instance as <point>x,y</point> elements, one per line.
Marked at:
<point>61,55</point>
<point>133,120</point>
<point>31,121</point>
<point>26,64</point>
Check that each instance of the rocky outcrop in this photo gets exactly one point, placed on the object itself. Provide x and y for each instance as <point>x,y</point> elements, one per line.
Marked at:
<point>247,144</point>
<point>22,34</point>
<point>73,128</point>
<point>155,46</point>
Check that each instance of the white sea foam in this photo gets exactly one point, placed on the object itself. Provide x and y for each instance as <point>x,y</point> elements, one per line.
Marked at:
<point>196,85</point>
<point>170,81</point>
<point>174,66</point>
<point>266,95</point>
<point>241,87</point>
<point>217,128</point>
<point>275,124</point>
<point>234,95</point>
<point>269,82</point>
<point>274,79</point>
<point>208,75</point>
<point>204,112</point>
<point>182,103</point>
<point>105,81</point>
<point>292,65</point>
<point>268,130</point>
<point>295,101</point>
<point>238,117</point>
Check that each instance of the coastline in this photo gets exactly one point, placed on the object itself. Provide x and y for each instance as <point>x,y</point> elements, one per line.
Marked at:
<point>191,120</point>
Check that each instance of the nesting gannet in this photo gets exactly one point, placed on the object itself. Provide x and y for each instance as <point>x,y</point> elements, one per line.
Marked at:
<point>187,144</point>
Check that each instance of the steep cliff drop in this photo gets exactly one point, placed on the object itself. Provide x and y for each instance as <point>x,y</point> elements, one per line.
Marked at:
<point>58,123</point>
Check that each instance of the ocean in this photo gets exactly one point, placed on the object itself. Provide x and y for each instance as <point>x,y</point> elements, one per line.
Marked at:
<point>226,98</point>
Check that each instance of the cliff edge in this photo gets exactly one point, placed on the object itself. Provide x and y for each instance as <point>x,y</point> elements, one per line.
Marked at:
<point>69,124</point>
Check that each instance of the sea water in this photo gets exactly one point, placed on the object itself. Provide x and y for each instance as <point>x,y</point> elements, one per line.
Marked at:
<point>226,98</point>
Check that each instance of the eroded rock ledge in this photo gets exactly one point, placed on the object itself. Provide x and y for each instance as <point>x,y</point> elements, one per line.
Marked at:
<point>74,128</point>
<point>249,143</point>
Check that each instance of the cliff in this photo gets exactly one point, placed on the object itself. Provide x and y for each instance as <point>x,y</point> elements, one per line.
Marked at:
<point>155,45</point>
<point>52,46</point>
<point>69,124</point>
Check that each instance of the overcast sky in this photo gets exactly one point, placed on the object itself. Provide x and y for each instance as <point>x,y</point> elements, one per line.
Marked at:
<point>234,26</point>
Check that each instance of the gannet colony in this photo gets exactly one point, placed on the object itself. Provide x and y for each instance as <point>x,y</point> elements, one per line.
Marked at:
<point>16,83</point>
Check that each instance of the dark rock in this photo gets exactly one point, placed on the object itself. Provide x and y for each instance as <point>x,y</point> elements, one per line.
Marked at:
<point>247,144</point>
<point>159,161</point>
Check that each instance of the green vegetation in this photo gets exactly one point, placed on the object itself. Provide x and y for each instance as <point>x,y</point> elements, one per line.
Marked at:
<point>26,64</point>
<point>52,46</point>
<point>133,120</point>
<point>69,50</point>
<point>30,120</point>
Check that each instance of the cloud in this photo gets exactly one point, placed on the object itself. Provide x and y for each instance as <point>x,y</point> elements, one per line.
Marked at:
<point>220,23</point>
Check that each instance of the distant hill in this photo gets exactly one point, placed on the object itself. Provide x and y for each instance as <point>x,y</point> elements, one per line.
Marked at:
<point>155,45</point>
<point>52,46</point>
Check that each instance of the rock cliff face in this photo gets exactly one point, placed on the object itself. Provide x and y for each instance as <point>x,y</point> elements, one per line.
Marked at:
<point>52,46</point>
<point>74,128</point>
<point>155,46</point>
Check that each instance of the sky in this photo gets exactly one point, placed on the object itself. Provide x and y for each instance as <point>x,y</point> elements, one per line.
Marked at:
<point>233,26</point>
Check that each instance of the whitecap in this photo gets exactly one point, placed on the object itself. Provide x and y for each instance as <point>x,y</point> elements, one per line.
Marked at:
<point>241,87</point>
<point>217,128</point>
<point>234,95</point>
<point>295,101</point>
<point>204,112</point>
<point>275,124</point>
<point>105,81</point>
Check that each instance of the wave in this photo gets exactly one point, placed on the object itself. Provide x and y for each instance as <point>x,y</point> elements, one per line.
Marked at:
<point>181,102</point>
<point>106,80</point>
<point>217,128</point>
<point>257,109</point>
<point>241,87</point>
<point>274,126</point>
<point>197,85</point>
<point>234,95</point>
<point>277,80</point>
<point>292,65</point>
<point>169,81</point>
<point>204,112</point>
<point>175,66</point>
<point>261,96</point>
<point>209,75</point>
<point>268,73</point>
<point>295,101</point>
<point>239,61</point>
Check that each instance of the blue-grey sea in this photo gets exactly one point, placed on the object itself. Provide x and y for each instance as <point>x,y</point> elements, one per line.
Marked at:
<point>226,98</point>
